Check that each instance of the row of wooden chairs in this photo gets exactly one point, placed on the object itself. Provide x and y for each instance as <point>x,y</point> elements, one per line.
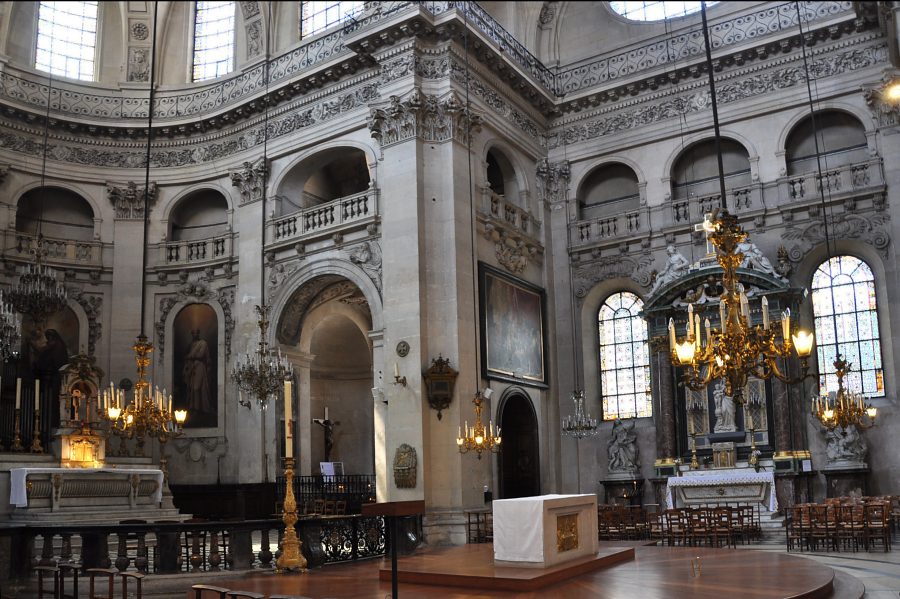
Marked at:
<point>836,526</point>
<point>205,591</point>
<point>326,507</point>
<point>715,526</point>
<point>61,582</point>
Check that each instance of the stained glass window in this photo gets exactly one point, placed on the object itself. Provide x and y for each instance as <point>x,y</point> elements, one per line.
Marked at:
<point>319,16</point>
<point>846,315</point>
<point>66,39</point>
<point>655,11</point>
<point>624,358</point>
<point>213,39</point>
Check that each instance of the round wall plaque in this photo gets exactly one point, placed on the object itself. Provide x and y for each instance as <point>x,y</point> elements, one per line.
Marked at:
<point>403,349</point>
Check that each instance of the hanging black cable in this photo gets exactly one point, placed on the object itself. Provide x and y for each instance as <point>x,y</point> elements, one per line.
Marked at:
<point>147,168</point>
<point>715,108</point>
<point>265,158</point>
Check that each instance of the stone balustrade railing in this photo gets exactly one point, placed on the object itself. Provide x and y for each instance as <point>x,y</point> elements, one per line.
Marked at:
<point>506,211</point>
<point>335,216</point>
<point>184,547</point>
<point>196,251</point>
<point>841,184</point>
<point>59,251</point>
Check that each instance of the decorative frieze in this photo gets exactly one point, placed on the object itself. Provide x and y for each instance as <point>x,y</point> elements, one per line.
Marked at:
<point>93,309</point>
<point>427,117</point>
<point>638,268</point>
<point>129,200</point>
<point>872,229</point>
<point>513,250</point>
<point>249,180</point>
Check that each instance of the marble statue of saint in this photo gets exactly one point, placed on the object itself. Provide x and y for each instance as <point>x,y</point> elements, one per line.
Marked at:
<point>675,268</point>
<point>755,260</point>
<point>724,410</point>
<point>195,372</point>
<point>845,445</point>
<point>622,448</point>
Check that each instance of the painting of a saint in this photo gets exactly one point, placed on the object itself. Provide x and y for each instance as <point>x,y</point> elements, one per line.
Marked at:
<point>512,322</point>
<point>195,365</point>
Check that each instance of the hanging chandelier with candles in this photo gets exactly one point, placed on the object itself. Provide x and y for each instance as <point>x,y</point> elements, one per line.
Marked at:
<point>843,408</point>
<point>10,329</point>
<point>38,293</point>
<point>261,374</point>
<point>580,424</point>
<point>479,438</point>
<point>737,349</point>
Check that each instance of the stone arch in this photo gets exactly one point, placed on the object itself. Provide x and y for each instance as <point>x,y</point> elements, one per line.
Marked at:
<point>519,465</point>
<point>800,114</point>
<point>515,161</point>
<point>62,184</point>
<point>191,189</point>
<point>175,207</point>
<point>692,140</point>
<point>276,179</point>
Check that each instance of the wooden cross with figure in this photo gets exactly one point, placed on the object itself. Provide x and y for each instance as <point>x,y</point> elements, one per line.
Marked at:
<point>328,426</point>
<point>707,227</point>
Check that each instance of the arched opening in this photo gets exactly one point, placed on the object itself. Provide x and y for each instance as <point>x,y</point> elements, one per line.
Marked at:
<point>501,175</point>
<point>199,215</point>
<point>842,141</point>
<point>696,172</point>
<point>609,189</point>
<point>519,452</point>
<point>195,364</point>
<point>58,213</point>
<point>329,175</point>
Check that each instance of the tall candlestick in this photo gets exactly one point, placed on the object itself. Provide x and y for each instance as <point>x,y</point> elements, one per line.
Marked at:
<point>326,412</point>
<point>37,395</point>
<point>18,393</point>
<point>287,400</point>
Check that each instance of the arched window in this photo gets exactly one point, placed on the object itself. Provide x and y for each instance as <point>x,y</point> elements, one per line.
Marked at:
<point>624,358</point>
<point>846,316</point>
<point>319,16</point>
<point>213,39</point>
<point>67,39</point>
<point>655,11</point>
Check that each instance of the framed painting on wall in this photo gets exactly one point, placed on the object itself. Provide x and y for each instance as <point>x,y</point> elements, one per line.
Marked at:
<point>512,328</point>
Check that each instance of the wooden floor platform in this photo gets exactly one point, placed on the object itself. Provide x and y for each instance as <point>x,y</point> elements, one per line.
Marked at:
<point>472,567</point>
<point>655,572</point>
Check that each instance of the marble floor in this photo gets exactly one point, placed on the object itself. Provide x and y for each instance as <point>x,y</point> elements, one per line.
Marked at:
<point>879,571</point>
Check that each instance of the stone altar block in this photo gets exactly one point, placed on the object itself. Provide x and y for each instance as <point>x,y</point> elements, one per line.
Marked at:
<point>544,531</point>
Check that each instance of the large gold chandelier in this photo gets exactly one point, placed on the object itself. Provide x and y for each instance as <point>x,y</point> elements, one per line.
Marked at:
<point>738,349</point>
<point>478,437</point>
<point>844,408</point>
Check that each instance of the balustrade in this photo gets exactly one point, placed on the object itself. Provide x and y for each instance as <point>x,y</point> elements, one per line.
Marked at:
<point>518,218</point>
<point>838,182</point>
<point>59,251</point>
<point>330,217</point>
<point>198,250</point>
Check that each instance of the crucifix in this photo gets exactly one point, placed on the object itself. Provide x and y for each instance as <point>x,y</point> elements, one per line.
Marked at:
<point>328,426</point>
<point>707,227</point>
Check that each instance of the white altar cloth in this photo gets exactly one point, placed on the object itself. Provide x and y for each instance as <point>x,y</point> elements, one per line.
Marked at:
<point>18,494</point>
<point>525,528</point>
<point>712,478</point>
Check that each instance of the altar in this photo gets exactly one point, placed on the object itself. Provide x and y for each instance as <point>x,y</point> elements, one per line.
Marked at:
<point>544,531</point>
<point>743,485</point>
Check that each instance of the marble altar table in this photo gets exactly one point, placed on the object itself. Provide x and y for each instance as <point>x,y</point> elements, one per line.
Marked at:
<point>544,531</point>
<point>728,485</point>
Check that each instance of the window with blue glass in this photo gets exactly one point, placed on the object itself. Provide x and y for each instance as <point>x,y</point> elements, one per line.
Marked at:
<point>624,358</point>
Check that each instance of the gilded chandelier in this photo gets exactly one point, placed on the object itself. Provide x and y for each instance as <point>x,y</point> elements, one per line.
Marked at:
<point>580,424</point>
<point>149,414</point>
<point>844,408</point>
<point>261,374</point>
<point>737,350</point>
<point>477,437</point>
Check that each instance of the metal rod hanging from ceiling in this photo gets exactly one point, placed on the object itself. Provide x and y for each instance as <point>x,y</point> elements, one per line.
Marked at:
<point>715,107</point>
<point>147,168</point>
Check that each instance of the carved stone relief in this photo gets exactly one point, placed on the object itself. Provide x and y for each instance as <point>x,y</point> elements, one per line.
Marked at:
<point>129,200</point>
<point>254,38</point>
<point>548,13</point>
<point>552,180</point>
<point>93,308</point>
<point>138,64</point>
<point>139,30</point>
<point>249,180</point>
<point>513,250</point>
<point>405,466</point>
<point>871,229</point>
<point>368,256</point>
<point>420,115</point>
<point>611,267</point>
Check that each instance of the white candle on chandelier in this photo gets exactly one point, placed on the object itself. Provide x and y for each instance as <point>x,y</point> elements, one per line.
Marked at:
<point>765,313</point>
<point>697,333</point>
<point>690,318</point>
<point>708,333</point>
<point>671,334</point>
<point>722,314</point>
<point>786,324</point>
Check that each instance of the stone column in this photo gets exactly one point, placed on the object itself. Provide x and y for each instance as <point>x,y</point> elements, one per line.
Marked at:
<point>781,409</point>
<point>664,390</point>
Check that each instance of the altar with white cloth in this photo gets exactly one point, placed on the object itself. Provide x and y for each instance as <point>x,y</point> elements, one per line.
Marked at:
<point>544,531</point>
<point>728,485</point>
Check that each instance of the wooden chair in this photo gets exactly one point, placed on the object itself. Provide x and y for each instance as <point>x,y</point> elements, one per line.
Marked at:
<point>676,527</point>
<point>110,575</point>
<point>138,578</point>
<point>699,531</point>
<point>877,524</point>
<point>51,571</point>
<point>207,590</point>
<point>318,506</point>
<point>720,527</point>
<point>656,527</point>
<point>794,531</point>
<point>340,508</point>
<point>822,527</point>
<point>66,569</point>
<point>851,526</point>
<point>245,595</point>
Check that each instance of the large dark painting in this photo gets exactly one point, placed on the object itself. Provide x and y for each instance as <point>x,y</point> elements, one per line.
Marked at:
<point>512,328</point>
<point>195,365</point>
<point>47,347</point>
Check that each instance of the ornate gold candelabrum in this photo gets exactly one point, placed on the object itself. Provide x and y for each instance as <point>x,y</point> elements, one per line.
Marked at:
<point>695,465</point>
<point>753,460</point>
<point>17,433</point>
<point>36,431</point>
<point>479,437</point>
<point>737,350</point>
<point>290,558</point>
<point>844,408</point>
<point>150,412</point>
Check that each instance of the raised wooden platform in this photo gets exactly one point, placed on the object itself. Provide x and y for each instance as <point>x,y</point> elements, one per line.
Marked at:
<point>472,566</point>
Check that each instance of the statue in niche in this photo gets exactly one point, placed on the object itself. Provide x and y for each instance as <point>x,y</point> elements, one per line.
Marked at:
<point>622,448</point>
<point>724,410</point>
<point>196,373</point>
<point>754,259</point>
<point>675,268</point>
<point>845,445</point>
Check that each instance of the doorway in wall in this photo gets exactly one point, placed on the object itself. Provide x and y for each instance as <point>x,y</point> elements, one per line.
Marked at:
<point>519,453</point>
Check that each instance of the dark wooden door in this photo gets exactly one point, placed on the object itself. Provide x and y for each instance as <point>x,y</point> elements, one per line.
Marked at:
<point>519,451</point>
